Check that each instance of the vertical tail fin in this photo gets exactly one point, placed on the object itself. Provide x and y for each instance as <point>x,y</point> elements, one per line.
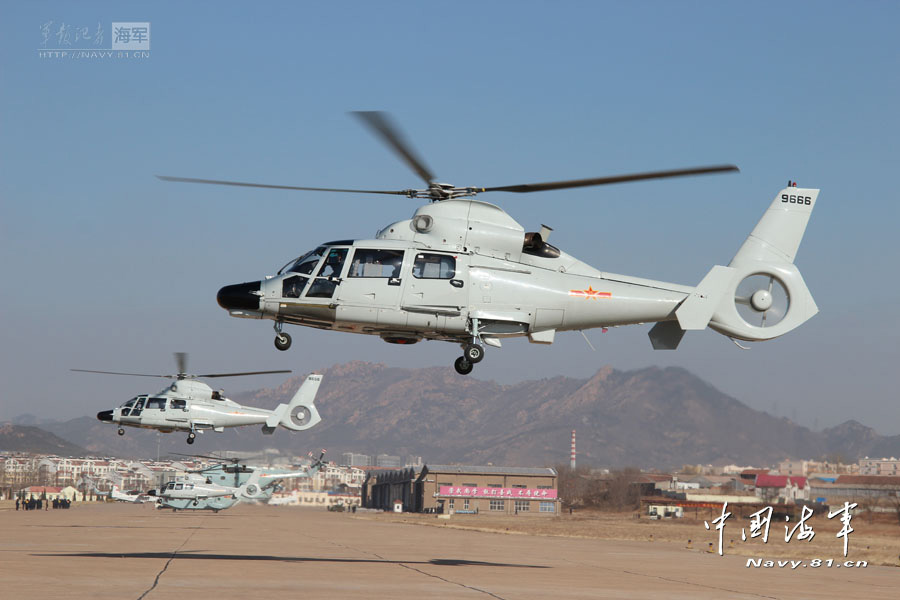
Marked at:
<point>300,413</point>
<point>777,236</point>
<point>760,295</point>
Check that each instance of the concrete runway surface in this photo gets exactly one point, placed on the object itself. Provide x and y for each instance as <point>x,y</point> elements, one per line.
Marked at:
<point>134,551</point>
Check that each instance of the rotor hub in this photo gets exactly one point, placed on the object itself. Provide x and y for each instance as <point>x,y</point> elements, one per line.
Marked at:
<point>761,300</point>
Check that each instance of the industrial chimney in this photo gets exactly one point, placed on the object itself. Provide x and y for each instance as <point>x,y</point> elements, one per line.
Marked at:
<point>572,457</point>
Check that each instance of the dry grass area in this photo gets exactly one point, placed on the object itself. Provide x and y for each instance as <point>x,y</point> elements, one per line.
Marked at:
<point>875,538</point>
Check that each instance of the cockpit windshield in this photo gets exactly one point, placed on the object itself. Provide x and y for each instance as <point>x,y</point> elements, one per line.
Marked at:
<point>306,263</point>
<point>126,408</point>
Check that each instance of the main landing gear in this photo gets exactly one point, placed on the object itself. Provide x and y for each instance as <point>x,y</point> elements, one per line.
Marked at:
<point>473,353</point>
<point>282,340</point>
<point>191,437</point>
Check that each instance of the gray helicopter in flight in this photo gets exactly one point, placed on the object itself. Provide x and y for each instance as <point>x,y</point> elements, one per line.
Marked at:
<point>463,271</point>
<point>193,406</point>
<point>210,489</point>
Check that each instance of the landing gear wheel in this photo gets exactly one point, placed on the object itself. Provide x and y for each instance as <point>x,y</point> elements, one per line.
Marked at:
<point>283,341</point>
<point>121,431</point>
<point>191,437</point>
<point>463,366</point>
<point>196,502</point>
<point>473,353</point>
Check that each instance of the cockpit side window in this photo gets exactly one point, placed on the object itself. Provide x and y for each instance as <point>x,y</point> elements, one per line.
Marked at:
<point>292,287</point>
<point>126,408</point>
<point>333,263</point>
<point>368,262</point>
<point>138,408</point>
<point>326,282</point>
<point>434,266</point>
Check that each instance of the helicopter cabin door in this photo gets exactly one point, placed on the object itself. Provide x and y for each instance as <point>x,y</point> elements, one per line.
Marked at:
<point>154,412</point>
<point>369,294</point>
<point>436,294</point>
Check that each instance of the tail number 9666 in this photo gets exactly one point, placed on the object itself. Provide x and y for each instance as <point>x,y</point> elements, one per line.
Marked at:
<point>795,199</point>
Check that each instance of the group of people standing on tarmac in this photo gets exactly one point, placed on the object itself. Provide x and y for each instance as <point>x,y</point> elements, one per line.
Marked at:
<point>42,503</point>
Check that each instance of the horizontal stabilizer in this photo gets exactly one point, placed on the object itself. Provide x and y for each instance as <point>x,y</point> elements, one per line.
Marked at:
<point>698,308</point>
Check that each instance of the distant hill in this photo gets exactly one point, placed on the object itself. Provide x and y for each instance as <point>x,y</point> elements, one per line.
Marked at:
<point>24,438</point>
<point>650,418</point>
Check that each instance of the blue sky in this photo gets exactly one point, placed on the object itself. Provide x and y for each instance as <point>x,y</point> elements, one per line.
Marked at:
<point>106,267</point>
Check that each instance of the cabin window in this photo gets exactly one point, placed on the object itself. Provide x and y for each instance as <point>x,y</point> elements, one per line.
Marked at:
<point>434,266</point>
<point>376,263</point>
<point>179,486</point>
<point>157,403</point>
<point>179,405</point>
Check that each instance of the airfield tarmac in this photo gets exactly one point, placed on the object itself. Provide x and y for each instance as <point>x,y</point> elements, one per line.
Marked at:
<point>134,551</point>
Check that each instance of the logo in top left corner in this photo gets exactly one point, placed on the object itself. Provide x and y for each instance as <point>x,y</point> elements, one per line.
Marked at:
<point>131,36</point>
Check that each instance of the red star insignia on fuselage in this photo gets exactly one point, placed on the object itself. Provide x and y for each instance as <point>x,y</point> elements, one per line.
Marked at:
<point>590,293</point>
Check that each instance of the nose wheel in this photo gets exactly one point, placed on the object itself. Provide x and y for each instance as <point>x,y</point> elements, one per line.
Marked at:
<point>121,431</point>
<point>283,341</point>
<point>191,437</point>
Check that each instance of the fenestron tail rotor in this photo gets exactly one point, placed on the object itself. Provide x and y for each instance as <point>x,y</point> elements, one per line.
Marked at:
<point>389,133</point>
<point>762,300</point>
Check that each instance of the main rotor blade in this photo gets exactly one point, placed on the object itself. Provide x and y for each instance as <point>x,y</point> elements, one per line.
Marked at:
<point>390,134</point>
<point>117,373</point>
<point>279,187</point>
<point>181,361</point>
<point>219,458</point>
<point>241,374</point>
<point>574,183</point>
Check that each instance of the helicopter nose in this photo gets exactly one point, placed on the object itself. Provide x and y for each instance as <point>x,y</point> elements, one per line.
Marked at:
<point>105,415</point>
<point>239,296</point>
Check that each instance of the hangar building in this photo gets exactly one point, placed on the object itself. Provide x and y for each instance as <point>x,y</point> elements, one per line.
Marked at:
<point>464,490</point>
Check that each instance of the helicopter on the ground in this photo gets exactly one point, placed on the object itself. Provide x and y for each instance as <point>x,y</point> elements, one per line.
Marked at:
<point>222,486</point>
<point>132,497</point>
<point>462,270</point>
<point>193,406</point>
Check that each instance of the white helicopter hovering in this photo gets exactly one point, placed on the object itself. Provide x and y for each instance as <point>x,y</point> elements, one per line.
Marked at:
<point>199,487</point>
<point>462,270</point>
<point>193,406</point>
